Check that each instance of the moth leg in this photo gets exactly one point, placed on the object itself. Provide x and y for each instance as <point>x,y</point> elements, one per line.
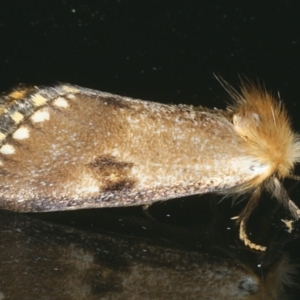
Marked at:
<point>282,196</point>
<point>293,177</point>
<point>295,211</point>
<point>145,208</point>
<point>244,237</point>
<point>243,218</point>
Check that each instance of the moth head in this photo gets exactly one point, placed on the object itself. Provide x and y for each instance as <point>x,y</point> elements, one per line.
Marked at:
<point>262,122</point>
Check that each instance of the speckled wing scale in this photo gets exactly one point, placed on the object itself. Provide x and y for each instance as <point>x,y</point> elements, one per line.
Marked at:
<point>66,147</point>
<point>27,127</point>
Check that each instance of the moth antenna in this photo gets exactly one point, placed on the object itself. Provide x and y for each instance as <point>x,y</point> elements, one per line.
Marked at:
<point>228,88</point>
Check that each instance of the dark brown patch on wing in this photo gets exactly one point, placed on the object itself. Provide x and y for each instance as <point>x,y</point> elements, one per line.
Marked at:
<point>113,173</point>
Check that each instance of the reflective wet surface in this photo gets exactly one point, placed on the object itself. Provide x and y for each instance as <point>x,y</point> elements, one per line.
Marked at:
<point>183,249</point>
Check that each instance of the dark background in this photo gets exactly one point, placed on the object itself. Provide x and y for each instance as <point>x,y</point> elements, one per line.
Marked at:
<point>164,51</point>
<point>157,50</point>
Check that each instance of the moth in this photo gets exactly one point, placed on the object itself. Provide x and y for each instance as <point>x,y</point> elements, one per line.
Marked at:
<point>66,147</point>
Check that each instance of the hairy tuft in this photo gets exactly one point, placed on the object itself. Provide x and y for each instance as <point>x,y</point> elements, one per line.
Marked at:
<point>262,122</point>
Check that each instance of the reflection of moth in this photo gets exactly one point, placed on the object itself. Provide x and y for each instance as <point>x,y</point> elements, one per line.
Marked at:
<point>61,262</point>
<point>67,147</point>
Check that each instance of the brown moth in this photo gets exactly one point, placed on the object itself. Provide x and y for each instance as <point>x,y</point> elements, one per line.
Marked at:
<point>67,147</point>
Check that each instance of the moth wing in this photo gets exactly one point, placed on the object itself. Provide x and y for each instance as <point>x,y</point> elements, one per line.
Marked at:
<point>67,147</point>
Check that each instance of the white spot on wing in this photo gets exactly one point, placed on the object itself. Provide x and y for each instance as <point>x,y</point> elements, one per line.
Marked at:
<point>40,116</point>
<point>21,133</point>
<point>39,100</point>
<point>61,102</point>
<point>7,149</point>
<point>17,117</point>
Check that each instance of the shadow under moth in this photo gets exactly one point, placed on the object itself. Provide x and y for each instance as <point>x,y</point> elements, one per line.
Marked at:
<point>66,147</point>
